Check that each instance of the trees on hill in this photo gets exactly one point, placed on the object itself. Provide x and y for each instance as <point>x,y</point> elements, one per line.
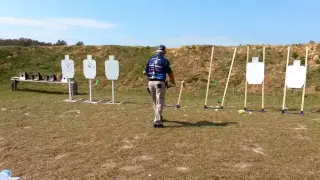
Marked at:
<point>31,42</point>
<point>61,43</point>
<point>79,43</point>
<point>22,42</point>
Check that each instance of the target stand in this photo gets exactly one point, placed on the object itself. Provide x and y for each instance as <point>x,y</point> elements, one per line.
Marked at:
<point>113,97</point>
<point>70,96</point>
<point>90,97</point>
<point>213,107</point>
<point>295,78</point>
<point>67,66</point>
<point>227,83</point>
<point>89,71</point>
<point>112,73</point>
<point>255,75</point>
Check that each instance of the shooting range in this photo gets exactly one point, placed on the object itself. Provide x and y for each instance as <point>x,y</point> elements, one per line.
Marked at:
<point>67,67</point>
<point>296,75</point>
<point>89,71</point>
<point>233,90</point>
<point>112,74</point>
<point>227,83</point>
<point>244,112</point>
<point>254,75</point>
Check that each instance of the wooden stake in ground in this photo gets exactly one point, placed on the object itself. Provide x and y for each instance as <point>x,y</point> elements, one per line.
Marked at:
<point>246,86</point>
<point>182,85</point>
<point>225,90</point>
<point>285,85</point>
<point>305,82</point>
<point>208,83</point>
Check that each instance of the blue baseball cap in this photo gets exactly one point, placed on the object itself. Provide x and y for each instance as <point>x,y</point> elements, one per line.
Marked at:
<point>161,48</point>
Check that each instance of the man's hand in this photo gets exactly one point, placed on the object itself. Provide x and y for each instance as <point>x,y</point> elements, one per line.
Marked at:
<point>172,79</point>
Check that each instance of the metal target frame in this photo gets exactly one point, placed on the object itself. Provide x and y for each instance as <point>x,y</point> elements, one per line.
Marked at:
<point>90,75</point>
<point>68,76</point>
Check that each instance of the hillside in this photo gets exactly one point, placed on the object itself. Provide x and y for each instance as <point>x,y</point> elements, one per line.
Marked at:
<point>190,63</point>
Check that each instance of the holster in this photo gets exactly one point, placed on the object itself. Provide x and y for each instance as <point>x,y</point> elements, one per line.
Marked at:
<point>166,84</point>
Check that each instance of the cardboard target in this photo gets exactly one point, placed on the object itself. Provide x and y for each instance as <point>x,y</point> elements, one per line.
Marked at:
<point>67,66</point>
<point>112,68</point>
<point>295,75</point>
<point>89,67</point>
<point>255,71</point>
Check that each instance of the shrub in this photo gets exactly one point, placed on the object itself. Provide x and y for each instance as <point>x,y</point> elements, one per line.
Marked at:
<point>79,43</point>
<point>295,55</point>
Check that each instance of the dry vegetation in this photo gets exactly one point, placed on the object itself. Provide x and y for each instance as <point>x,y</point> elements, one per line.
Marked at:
<point>190,63</point>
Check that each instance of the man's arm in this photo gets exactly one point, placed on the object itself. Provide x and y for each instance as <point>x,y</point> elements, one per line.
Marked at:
<point>170,73</point>
<point>146,69</point>
<point>171,76</point>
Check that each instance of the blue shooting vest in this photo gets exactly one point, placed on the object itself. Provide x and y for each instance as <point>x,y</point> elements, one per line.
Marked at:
<point>157,68</point>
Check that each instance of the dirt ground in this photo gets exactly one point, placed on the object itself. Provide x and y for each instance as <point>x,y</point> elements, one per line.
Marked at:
<point>43,137</point>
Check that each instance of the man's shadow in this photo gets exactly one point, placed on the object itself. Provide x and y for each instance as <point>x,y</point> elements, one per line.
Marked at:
<point>199,124</point>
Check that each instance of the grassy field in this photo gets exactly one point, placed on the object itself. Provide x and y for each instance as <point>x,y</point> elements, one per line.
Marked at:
<point>43,137</point>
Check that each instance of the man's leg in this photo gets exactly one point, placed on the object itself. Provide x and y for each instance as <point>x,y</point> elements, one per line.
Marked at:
<point>152,88</point>
<point>160,96</point>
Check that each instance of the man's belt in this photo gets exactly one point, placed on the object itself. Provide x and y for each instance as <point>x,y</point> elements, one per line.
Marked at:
<point>156,80</point>
<point>166,82</point>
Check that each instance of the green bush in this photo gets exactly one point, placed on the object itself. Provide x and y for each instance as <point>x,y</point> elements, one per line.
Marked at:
<point>295,55</point>
<point>79,43</point>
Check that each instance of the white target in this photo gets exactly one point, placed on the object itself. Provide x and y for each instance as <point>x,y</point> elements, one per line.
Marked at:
<point>295,75</point>
<point>89,67</point>
<point>255,71</point>
<point>67,66</point>
<point>112,68</point>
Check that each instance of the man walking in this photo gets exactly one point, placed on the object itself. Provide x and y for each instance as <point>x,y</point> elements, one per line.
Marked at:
<point>156,70</point>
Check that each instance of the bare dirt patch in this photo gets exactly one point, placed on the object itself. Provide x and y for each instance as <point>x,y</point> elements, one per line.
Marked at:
<point>300,127</point>
<point>134,168</point>
<point>243,166</point>
<point>109,165</point>
<point>61,156</point>
<point>183,169</point>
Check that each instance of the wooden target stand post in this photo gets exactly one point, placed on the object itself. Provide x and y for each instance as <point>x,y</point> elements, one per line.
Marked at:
<point>179,98</point>
<point>296,75</point>
<point>226,87</point>
<point>255,75</point>
<point>112,73</point>
<point>89,71</point>
<point>67,66</point>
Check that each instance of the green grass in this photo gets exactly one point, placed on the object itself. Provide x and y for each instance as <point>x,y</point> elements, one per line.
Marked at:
<point>43,137</point>
<point>48,60</point>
